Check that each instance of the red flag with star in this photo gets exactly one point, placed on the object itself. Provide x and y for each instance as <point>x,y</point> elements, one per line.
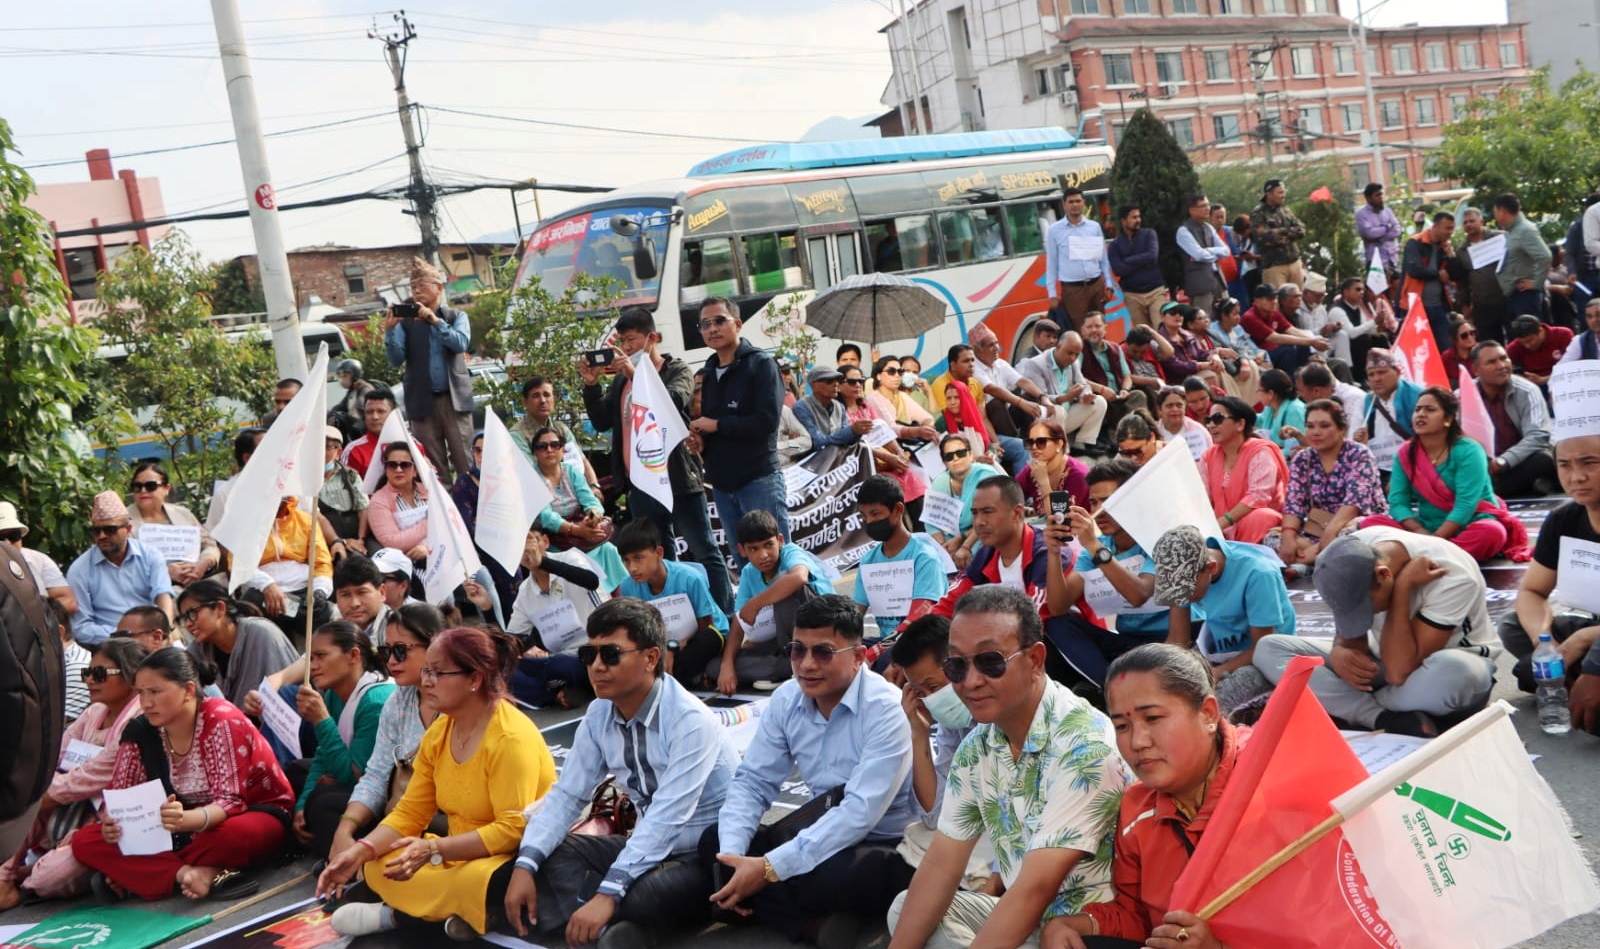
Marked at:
<point>1419,354</point>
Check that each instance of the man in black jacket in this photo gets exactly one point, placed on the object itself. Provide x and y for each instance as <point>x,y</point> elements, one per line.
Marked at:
<point>608,411</point>
<point>740,403</point>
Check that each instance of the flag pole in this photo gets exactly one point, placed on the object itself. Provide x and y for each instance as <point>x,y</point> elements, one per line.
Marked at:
<point>1294,849</point>
<point>311,578</point>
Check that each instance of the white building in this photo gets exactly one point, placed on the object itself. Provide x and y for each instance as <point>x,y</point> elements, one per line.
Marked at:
<point>1562,34</point>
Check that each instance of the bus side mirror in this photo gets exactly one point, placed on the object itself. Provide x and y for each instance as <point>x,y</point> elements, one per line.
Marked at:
<point>644,249</point>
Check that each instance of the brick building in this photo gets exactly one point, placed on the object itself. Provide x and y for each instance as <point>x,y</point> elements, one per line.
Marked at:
<point>351,277</point>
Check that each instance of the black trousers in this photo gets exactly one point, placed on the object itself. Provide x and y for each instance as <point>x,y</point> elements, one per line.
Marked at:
<point>694,654</point>
<point>323,809</point>
<point>1517,481</point>
<point>673,896</point>
<point>294,626</point>
<point>1089,649</point>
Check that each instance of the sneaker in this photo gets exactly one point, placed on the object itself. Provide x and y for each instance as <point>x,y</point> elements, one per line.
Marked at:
<point>460,930</point>
<point>360,919</point>
<point>626,935</point>
<point>839,931</point>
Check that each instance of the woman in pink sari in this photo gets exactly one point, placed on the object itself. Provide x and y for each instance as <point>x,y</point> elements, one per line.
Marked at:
<point>1440,486</point>
<point>1245,474</point>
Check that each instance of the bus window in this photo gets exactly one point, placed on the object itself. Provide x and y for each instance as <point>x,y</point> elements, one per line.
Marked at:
<point>773,262</point>
<point>707,270</point>
<point>973,234</point>
<point>905,243</point>
<point>1026,224</point>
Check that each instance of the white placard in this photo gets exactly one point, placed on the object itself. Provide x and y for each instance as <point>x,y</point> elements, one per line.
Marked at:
<point>174,543</point>
<point>889,586</point>
<point>1104,599</point>
<point>1575,393</point>
<point>929,457</point>
<point>942,512</point>
<point>795,479</point>
<point>572,454</point>
<point>947,564</point>
<point>76,753</point>
<point>1080,247</point>
<point>1488,252</point>
<point>1379,750</point>
<point>556,619</point>
<point>879,435</point>
<point>1198,441</point>
<point>1166,492</point>
<point>678,614</point>
<point>764,629</point>
<point>137,811</point>
<point>1578,575</point>
<point>280,717</point>
<point>407,518</point>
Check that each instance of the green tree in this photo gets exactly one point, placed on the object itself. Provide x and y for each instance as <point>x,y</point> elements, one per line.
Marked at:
<point>1331,246</point>
<point>50,410</point>
<point>233,292</point>
<point>785,324</point>
<point>366,347</point>
<point>1152,173</point>
<point>187,383</point>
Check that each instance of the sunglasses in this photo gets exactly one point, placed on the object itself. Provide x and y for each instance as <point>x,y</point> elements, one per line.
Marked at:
<point>958,453</point>
<point>145,487</point>
<point>852,380</point>
<point>1039,442</point>
<point>1467,334</point>
<point>609,654</point>
<point>1217,419</point>
<point>990,665</point>
<point>97,673</point>
<point>718,321</point>
<point>396,652</point>
<point>1130,453</point>
<point>105,530</point>
<point>892,370</point>
<point>821,653</point>
<point>549,446</point>
<point>11,537</point>
<point>398,465</point>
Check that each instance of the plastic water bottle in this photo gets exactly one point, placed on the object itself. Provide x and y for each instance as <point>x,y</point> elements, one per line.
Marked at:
<point>1550,675</point>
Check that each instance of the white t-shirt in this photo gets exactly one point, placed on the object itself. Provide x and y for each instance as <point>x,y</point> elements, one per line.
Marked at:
<point>1011,573</point>
<point>1456,601</point>
<point>1000,374</point>
<point>47,575</point>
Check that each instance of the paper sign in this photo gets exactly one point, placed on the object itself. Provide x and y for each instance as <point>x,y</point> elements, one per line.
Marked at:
<point>1575,393</point>
<point>764,629</point>
<point>1488,252</point>
<point>942,512</point>
<point>280,718</point>
<point>1085,248</point>
<point>888,587</point>
<point>174,543</point>
<point>556,619</point>
<point>1379,750</point>
<point>879,435</point>
<point>1198,441</point>
<point>1578,575</point>
<point>137,811</point>
<point>678,615</point>
<point>1166,492</point>
<point>572,454</point>
<point>76,753</point>
<point>1104,599</point>
<point>930,459</point>
<point>407,518</point>
<point>795,479</point>
<point>937,549</point>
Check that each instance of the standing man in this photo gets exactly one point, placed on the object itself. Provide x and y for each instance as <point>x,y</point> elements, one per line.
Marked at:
<point>1277,232</point>
<point>1135,258</point>
<point>1521,463</point>
<point>740,404</point>
<point>1059,375</point>
<point>1478,295</point>
<point>115,575</point>
<point>1202,247</point>
<point>1380,229</point>
<point>538,408</point>
<point>431,344</point>
<point>1076,265</point>
<point>1424,264</point>
<point>1527,262</point>
<point>1219,220</point>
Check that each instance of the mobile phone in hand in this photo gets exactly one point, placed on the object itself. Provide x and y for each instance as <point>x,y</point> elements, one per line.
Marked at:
<point>599,358</point>
<point>1060,504</point>
<point>405,311</point>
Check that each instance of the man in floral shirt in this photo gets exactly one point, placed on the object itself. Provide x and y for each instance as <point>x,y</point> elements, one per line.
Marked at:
<point>1039,775</point>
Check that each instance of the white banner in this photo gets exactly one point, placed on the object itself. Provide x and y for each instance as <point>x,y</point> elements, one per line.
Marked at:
<point>1104,599</point>
<point>1377,280</point>
<point>510,495</point>
<point>1167,492</point>
<point>394,430</point>
<point>656,428</point>
<point>451,556</point>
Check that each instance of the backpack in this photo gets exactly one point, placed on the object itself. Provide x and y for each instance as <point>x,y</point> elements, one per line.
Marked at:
<point>32,687</point>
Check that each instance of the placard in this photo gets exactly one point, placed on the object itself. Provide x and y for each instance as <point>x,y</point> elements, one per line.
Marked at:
<point>137,811</point>
<point>1578,575</point>
<point>1104,599</point>
<point>678,614</point>
<point>795,478</point>
<point>556,619</point>
<point>1080,247</point>
<point>282,719</point>
<point>76,753</point>
<point>942,512</point>
<point>1575,393</point>
<point>1489,252</point>
<point>764,629</point>
<point>889,587</point>
<point>173,543</point>
<point>946,563</point>
<point>929,457</point>
<point>879,435</point>
<point>407,518</point>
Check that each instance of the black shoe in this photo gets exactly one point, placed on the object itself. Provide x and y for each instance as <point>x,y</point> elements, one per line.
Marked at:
<point>1546,487</point>
<point>839,931</point>
<point>626,935</point>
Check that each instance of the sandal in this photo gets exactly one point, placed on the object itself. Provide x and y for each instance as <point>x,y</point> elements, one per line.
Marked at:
<point>232,885</point>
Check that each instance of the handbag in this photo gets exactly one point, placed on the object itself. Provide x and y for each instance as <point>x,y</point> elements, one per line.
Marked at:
<point>611,814</point>
<point>399,778</point>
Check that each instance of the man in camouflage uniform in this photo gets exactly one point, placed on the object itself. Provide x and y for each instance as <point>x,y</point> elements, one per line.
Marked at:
<point>1277,233</point>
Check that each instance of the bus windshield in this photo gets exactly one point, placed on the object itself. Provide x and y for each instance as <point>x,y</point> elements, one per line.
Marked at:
<point>584,242</point>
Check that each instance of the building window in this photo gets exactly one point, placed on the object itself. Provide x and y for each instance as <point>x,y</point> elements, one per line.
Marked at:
<point>1225,129</point>
<point>1392,113</point>
<point>1119,68</point>
<point>1458,107</point>
<point>1398,169</point>
<point>1230,7</point>
<point>1344,60</point>
<point>1185,6</point>
<point>1360,175</point>
<point>1467,55</point>
<point>1169,67</point>
<point>1302,61</point>
<point>1427,112</point>
<point>1041,82</point>
<point>1372,60</point>
<point>1311,120</point>
<point>1401,59</point>
<point>1116,132</point>
<point>82,273</point>
<point>1085,7</point>
<point>1219,65</point>
<point>1352,117</point>
<point>1433,58</point>
<point>1182,130</point>
<point>355,278</point>
<point>1136,7</point>
<point>1274,6</point>
<point>1509,55</point>
<point>1316,6</point>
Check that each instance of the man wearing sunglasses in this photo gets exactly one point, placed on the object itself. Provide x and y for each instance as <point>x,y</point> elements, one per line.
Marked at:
<point>821,871</point>
<point>672,758</point>
<point>823,415</point>
<point>1031,779</point>
<point>115,575</point>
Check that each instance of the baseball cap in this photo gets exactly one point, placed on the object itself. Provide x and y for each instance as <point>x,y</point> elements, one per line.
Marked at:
<point>1343,578</point>
<point>331,433</point>
<point>388,560</point>
<point>1179,554</point>
<point>823,374</point>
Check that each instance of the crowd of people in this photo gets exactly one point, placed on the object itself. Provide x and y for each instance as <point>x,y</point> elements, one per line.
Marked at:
<point>985,713</point>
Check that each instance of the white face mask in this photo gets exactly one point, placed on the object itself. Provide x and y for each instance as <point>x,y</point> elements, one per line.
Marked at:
<point>909,380</point>
<point>947,708</point>
<point>636,357</point>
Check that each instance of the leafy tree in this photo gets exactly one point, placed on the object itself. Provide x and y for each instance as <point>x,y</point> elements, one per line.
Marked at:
<point>233,292</point>
<point>1331,246</point>
<point>1152,172</point>
<point>785,324</point>
<point>46,359</point>
<point>366,347</point>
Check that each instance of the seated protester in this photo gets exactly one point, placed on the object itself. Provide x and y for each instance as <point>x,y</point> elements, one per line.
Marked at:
<point>1191,355</point>
<point>1143,350</point>
<point>794,442</point>
<point>229,802</point>
<point>891,458</point>
<point>1318,381</point>
<point>1226,331</point>
<point>934,712</point>
<point>894,594</point>
<point>538,409</point>
<point>1521,464</point>
<point>1465,338</point>
<point>398,515</point>
<point>343,704</point>
<point>146,626</point>
<point>1244,473</point>
<point>464,493</point>
<point>670,755</point>
<point>395,571</point>
<point>343,499</point>
<point>1137,441</point>
<point>1078,407</point>
<point>1183,751</point>
<point>912,422</point>
<point>1412,635</point>
<point>43,867</point>
<point>74,660</point>
<point>1239,587</point>
<point>1386,416</point>
<point>1536,347</point>
<point>1287,346</point>
<point>1012,401</point>
<point>960,478</point>
<point>233,636</point>
<point>961,398</point>
<point>1197,399</point>
<point>1105,367</point>
<point>1050,468</point>
<point>819,872</point>
<point>1034,778</point>
<point>1332,485</point>
<point>777,578</point>
<point>575,518</point>
<point>482,763</point>
<point>115,575</point>
<point>150,489</point>
<point>359,591</point>
<point>1441,486</point>
<point>1173,421</point>
<point>375,408</point>
<point>1229,369</point>
<point>244,445</point>
<point>279,589</point>
<point>1355,322</point>
<point>696,626</point>
<point>823,415</point>
<point>404,719</point>
<point>1282,418</point>
<point>1586,345</point>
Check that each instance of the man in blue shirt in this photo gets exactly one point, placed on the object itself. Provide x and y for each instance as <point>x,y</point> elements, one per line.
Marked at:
<point>1239,586</point>
<point>1075,263</point>
<point>672,758</point>
<point>825,868</point>
<point>115,575</point>
<point>901,577</point>
<point>776,579</point>
<point>430,340</point>
<point>823,415</point>
<point>696,626</point>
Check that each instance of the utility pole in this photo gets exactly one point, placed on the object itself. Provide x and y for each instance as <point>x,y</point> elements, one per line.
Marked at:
<point>395,44</point>
<point>273,261</point>
<point>1260,62</point>
<point>1380,174</point>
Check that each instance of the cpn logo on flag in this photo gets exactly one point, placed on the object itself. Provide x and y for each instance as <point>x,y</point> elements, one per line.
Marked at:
<point>649,439</point>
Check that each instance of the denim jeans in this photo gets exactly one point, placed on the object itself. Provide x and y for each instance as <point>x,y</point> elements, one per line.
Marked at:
<point>691,521</point>
<point>1013,454</point>
<point>765,493</point>
<point>1526,302</point>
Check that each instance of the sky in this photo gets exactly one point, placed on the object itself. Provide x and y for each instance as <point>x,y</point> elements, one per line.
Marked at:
<point>703,75</point>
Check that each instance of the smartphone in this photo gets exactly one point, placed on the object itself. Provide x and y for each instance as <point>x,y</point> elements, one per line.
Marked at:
<point>406,311</point>
<point>1060,503</point>
<point>599,357</point>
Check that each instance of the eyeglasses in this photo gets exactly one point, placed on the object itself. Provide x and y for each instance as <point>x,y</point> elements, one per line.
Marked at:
<point>1217,419</point>
<point>891,370</point>
<point>398,465</point>
<point>188,615</point>
<point>610,654</point>
<point>105,530</point>
<point>822,654</point>
<point>549,446</point>
<point>714,322</point>
<point>393,651</point>
<point>1040,442</point>
<point>430,674</point>
<point>145,487</point>
<point>852,380</point>
<point>97,673</point>
<point>958,453</point>
<point>990,665</point>
<point>11,537</point>
<point>1467,334</point>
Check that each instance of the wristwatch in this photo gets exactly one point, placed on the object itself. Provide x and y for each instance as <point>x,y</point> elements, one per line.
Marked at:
<point>434,856</point>
<point>1102,556</point>
<point>770,875</point>
<point>672,645</point>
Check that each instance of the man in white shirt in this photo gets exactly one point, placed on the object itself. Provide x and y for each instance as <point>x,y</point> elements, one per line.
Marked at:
<point>1001,380</point>
<point>1075,261</point>
<point>1330,323</point>
<point>1058,374</point>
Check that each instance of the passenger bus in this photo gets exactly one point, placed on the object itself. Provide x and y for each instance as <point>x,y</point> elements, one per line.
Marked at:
<point>962,215</point>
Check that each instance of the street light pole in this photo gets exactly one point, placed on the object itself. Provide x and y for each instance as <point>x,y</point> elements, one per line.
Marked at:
<point>1381,173</point>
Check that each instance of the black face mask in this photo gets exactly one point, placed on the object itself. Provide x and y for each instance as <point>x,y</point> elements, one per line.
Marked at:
<point>880,531</point>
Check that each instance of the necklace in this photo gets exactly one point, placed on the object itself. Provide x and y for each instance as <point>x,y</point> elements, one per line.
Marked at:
<point>459,742</point>
<point>166,740</point>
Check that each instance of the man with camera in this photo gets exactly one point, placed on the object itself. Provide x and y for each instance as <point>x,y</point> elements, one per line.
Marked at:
<point>430,340</point>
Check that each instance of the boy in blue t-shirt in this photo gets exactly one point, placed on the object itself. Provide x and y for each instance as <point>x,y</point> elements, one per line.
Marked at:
<point>1239,586</point>
<point>888,593</point>
<point>777,578</point>
<point>695,625</point>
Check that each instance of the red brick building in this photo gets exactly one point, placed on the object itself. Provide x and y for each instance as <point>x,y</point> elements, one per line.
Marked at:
<point>349,277</point>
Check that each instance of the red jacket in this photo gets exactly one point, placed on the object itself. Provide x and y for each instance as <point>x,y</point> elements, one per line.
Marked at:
<point>985,568</point>
<point>1149,852</point>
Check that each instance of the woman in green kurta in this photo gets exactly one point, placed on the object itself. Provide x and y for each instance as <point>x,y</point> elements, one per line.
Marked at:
<point>343,703</point>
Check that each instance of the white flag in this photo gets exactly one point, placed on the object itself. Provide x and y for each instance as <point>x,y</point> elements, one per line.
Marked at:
<point>510,495</point>
<point>654,429</point>
<point>1377,280</point>
<point>287,462</point>
<point>395,430</point>
<point>1167,492</point>
<point>1463,844</point>
<point>451,557</point>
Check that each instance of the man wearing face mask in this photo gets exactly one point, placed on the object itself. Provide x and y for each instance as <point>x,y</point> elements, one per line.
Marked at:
<point>901,577</point>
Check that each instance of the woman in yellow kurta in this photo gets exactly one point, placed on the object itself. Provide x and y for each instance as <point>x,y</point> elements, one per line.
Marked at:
<point>481,762</point>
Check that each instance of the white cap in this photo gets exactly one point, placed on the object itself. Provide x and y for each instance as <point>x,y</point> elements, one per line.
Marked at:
<point>390,561</point>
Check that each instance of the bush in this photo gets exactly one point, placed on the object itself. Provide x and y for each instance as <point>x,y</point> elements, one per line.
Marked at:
<point>1152,172</point>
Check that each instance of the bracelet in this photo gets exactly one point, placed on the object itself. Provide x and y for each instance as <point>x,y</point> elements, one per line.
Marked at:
<point>206,813</point>
<point>364,842</point>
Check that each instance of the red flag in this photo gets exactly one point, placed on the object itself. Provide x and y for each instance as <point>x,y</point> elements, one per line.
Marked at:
<point>1322,195</point>
<point>1293,764</point>
<point>1475,421</point>
<point>1419,353</point>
